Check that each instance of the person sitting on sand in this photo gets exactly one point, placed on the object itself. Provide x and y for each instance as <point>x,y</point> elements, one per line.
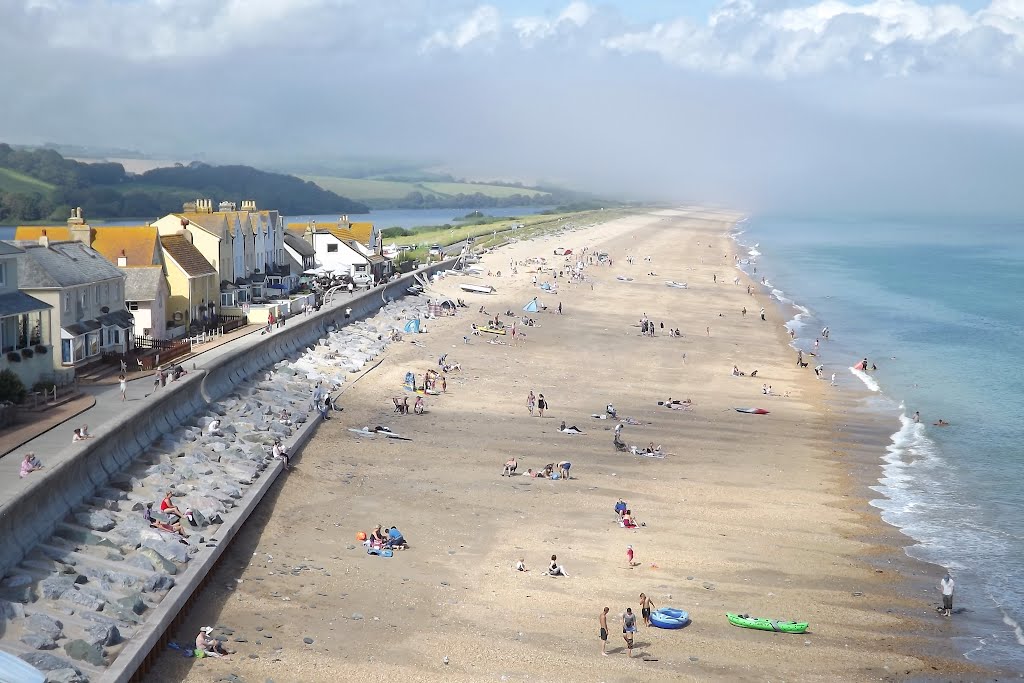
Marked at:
<point>29,464</point>
<point>510,467</point>
<point>521,565</point>
<point>210,646</point>
<point>620,507</point>
<point>627,519</point>
<point>548,469</point>
<point>168,507</point>
<point>213,429</point>
<point>77,435</point>
<point>169,527</point>
<point>555,569</point>
<point>419,406</point>
<point>610,409</point>
<point>736,372</point>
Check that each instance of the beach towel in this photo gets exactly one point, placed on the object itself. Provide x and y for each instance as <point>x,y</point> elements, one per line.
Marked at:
<point>570,430</point>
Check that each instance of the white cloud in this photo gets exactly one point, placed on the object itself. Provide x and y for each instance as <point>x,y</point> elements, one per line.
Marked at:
<point>531,30</point>
<point>889,37</point>
<point>483,23</point>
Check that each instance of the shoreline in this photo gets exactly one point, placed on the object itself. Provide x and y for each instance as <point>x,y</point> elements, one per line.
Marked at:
<point>492,543</point>
<point>862,456</point>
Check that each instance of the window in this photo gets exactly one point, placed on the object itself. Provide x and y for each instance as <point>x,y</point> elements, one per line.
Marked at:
<point>67,303</point>
<point>332,248</point>
<point>131,305</point>
<point>106,292</point>
<point>3,274</point>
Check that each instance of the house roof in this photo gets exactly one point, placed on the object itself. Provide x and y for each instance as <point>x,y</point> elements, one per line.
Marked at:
<point>362,231</point>
<point>299,245</point>
<point>8,249</point>
<point>14,303</point>
<point>138,242</point>
<point>213,223</point>
<point>62,264</point>
<point>186,256</point>
<point>143,283</point>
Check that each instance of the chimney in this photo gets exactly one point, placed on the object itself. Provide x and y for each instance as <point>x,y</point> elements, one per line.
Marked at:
<point>122,260</point>
<point>310,229</point>
<point>249,205</point>
<point>226,206</point>
<point>344,223</point>
<point>190,207</point>
<point>204,206</point>
<point>80,230</point>
<point>44,241</point>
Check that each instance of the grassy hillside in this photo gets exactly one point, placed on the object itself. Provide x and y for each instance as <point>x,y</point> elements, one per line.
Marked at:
<point>361,188</point>
<point>13,181</point>
<point>364,189</point>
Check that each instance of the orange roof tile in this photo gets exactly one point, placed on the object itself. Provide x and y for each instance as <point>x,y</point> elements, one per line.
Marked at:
<point>32,233</point>
<point>362,231</point>
<point>139,242</point>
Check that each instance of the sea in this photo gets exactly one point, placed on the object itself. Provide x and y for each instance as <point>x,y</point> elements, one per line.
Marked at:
<point>936,306</point>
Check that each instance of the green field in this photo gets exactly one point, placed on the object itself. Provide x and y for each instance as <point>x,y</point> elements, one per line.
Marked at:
<point>368,189</point>
<point>499,191</point>
<point>12,181</point>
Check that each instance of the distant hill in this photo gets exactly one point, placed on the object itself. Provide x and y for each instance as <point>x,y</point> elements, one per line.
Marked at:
<point>40,184</point>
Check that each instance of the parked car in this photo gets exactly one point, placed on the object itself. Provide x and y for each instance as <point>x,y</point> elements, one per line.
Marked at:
<point>436,250</point>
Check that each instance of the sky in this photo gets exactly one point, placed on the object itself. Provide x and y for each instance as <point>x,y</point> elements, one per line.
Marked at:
<point>761,105</point>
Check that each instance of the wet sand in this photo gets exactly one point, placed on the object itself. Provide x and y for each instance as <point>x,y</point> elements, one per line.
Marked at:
<point>748,513</point>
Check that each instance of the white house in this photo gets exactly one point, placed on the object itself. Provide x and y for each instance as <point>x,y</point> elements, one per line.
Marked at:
<point>146,294</point>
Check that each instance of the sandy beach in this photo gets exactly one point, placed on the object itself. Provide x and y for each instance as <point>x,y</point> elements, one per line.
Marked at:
<point>747,513</point>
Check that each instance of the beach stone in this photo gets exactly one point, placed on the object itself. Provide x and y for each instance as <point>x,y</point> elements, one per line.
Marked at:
<point>356,616</point>
<point>307,640</point>
<point>55,586</point>
<point>39,641</point>
<point>140,561</point>
<point>133,602</point>
<point>158,561</point>
<point>171,550</point>
<point>47,662</point>
<point>86,597</point>
<point>45,625</point>
<point>85,652</point>
<point>66,676</point>
<point>97,520</point>
<point>11,610</point>
<point>17,580</point>
<point>102,635</point>
<point>709,586</point>
<point>158,582</point>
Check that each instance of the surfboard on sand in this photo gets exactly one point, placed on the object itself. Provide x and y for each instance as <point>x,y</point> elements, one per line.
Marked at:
<point>752,411</point>
<point>373,432</point>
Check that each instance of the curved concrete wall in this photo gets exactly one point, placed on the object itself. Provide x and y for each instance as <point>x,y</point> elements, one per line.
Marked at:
<point>32,516</point>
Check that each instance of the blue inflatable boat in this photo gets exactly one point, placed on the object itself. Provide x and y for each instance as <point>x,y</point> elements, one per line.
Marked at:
<point>666,617</point>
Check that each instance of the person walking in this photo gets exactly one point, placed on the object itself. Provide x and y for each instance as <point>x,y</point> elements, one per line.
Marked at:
<point>542,405</point>
<point>603,620</point>
<point>531,402</point>
<point>122,383</point>
<point>762,313</point>
<point>628,629</point>
<point>630,562</point>
<point>946,585</point>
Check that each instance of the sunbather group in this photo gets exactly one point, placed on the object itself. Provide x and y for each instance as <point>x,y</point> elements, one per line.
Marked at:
<point>550,471</point>
<point>385,537</point>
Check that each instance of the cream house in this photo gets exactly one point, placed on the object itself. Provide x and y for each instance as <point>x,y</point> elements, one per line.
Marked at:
<point>193,281</point>
<point>24,325</point>
<point>86,293</point>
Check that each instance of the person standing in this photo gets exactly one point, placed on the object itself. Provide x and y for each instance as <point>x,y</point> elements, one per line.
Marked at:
<point>122,383</point>
<point>762,313</point>
<point>645,608</point>
<point>603,620</point>
<point>542,405</point>
<point>531,402</point>
<point>947,585</point>
<point>630,562</point>
<point>628,629</point>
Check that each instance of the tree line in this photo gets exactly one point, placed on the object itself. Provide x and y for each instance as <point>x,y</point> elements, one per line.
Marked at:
<point>106,190</point>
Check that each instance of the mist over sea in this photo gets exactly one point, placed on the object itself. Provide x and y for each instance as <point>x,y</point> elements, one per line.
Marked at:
<point>937,307</point>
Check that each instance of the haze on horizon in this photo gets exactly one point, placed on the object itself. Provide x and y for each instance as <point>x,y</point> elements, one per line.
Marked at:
<point>764,105</point>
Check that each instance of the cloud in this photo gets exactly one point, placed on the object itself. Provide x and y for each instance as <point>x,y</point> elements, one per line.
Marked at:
<point>484,23</point>
<point>533,29</point>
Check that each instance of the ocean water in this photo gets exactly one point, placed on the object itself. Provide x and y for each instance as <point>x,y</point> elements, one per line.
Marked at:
<point>937,306</point>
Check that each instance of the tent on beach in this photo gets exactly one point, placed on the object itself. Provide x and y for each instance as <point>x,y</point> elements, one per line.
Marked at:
<point>413,326</point>
<point>531,307</point>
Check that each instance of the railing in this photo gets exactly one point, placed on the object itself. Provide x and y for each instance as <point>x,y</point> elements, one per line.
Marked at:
<point>157,352</point>
<point>232,322</point>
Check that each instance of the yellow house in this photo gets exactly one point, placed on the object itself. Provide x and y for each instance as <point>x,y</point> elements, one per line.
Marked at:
<point>195,288</point>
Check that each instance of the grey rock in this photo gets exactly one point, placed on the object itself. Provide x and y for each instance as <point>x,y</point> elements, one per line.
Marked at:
<point>11,610</point>
<point>66,676</point>
<point>85,652</point>
<point>45,625</point>
<point>39,641</point>
<point>167,548</point>
<point>102,635</point>
<point>55,586</point>
<point>158,582</point>
<point>133,602</point>
<point>86,597</point>
<point>159,562</point>
<point>307,640</point>
<point>97,520</point>
<point>21,594</point>
<point>16,580</point>
<point>141,561</point>
<point>47,662</point>
<point>356,616</point>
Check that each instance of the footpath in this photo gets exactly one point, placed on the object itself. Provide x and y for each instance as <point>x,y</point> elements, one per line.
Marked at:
<point>101,402</point>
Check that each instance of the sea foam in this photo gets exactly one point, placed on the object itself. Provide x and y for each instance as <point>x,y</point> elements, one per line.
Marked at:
<point>868,380</point>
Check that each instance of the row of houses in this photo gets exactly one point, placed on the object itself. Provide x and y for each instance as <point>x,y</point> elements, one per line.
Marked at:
<point>73,293</point>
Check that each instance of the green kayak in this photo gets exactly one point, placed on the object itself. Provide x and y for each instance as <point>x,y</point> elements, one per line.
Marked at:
<point>746,621</point>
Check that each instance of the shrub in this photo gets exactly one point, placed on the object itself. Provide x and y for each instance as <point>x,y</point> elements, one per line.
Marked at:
<point>40,349</point>
<point>11,387</point>
<point>27,352</point>
<point>14,357</point>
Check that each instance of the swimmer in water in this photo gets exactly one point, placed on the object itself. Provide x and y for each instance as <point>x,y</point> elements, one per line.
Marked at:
<point>941,423</point>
